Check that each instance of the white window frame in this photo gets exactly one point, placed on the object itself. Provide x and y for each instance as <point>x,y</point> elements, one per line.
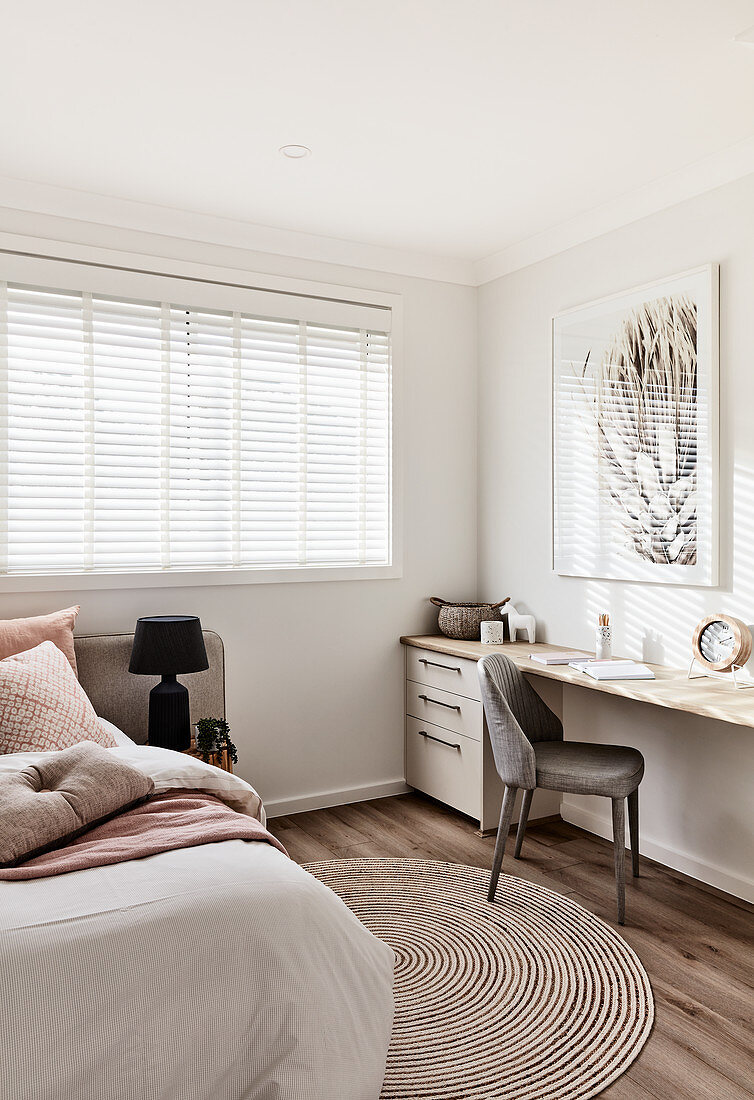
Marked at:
<point>140,276</point>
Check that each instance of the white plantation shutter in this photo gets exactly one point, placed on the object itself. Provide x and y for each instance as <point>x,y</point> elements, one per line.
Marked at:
<point>149,435</point>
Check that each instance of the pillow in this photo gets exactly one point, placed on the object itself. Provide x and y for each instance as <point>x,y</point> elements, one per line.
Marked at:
<point>42,705</point>
<point>18,635</point>
<point>121,738</point>
<point>62,795</point>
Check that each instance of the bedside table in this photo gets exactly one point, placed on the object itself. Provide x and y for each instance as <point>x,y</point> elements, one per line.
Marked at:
<point>220,758</point>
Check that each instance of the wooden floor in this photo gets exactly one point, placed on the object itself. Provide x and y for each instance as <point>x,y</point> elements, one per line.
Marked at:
<point>696,944</point>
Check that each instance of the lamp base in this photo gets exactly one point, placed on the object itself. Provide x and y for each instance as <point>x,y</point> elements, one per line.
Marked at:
<point>169,722</point>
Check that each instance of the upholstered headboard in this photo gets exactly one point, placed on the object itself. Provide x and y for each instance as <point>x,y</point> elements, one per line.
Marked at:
<point>123,698</point>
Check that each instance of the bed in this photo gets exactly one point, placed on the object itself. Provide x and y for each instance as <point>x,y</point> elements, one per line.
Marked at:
<point>218,972</point>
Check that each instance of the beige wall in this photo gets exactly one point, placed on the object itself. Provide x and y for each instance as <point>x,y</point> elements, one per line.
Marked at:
<point>696,812</point>
<point>314,670</point>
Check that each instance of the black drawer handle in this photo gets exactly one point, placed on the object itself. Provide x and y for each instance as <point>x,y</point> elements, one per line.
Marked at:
<point>439,740</point>
<point>439,703</point>
<point>436,664</point>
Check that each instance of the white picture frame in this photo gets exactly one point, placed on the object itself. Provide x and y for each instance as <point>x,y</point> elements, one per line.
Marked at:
<point>635,422</point>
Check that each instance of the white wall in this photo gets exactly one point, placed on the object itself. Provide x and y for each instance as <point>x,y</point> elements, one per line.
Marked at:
<point>315,670</point>
<point>696,798</point>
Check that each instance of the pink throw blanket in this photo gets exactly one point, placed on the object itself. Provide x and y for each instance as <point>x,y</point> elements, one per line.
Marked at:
<point>175,819</point>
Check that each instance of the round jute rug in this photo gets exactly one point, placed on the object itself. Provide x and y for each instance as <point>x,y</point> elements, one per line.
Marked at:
<point>532,998</point>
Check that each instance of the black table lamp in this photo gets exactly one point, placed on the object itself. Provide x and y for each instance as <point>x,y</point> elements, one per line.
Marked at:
<point>168,645</point>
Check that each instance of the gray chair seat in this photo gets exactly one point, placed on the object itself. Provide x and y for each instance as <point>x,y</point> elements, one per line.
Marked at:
<point>577,767</point>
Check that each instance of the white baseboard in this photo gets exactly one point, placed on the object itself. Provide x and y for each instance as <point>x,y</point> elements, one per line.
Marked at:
<point>281,807</point>
<point>670,857</point>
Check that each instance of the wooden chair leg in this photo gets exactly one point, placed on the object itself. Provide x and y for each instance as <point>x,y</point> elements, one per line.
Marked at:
<point>523,818</point>
<point>633,828</point>
<point>619,843</point>
<point>506,813</point>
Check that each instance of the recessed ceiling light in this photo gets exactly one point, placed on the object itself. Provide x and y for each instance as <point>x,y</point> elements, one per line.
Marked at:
<point>295,152</point>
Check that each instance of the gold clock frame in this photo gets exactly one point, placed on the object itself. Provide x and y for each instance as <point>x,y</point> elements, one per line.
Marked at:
<point>738,657</point>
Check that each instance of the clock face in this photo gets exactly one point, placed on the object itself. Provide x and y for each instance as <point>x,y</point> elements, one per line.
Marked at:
<point>717,642</point>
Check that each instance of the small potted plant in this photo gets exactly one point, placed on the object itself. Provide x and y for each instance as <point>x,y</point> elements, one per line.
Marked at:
<point>213,735</point>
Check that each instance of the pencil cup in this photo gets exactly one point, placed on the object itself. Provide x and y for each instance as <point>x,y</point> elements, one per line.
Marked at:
<point>604,643</point>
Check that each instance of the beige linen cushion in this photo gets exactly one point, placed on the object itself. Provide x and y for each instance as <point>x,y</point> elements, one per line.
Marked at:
<point>43,707</point>
<point>18,635</point>
<point>54,800</point>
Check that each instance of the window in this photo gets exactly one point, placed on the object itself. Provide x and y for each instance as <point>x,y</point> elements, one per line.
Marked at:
<point>152,435</point>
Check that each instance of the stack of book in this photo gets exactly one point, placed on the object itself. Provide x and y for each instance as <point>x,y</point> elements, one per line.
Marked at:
<point>559,656</point>
<point>615,668</point>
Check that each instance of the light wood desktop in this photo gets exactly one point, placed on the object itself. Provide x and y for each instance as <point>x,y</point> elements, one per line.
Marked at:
<point>711,698</point>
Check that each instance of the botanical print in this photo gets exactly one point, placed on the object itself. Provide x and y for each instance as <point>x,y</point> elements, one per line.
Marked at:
<point>646,423</point>
<point>633,457</point>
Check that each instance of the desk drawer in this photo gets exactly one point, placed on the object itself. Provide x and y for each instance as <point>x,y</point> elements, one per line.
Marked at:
<point>445,765</point>
<point>456,674</point>
<point>443,708</point>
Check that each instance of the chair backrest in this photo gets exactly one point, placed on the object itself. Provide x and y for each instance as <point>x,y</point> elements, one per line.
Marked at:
<point>516,716</point>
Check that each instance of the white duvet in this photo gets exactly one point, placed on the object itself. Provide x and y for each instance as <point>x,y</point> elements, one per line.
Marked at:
<point>222,972</point>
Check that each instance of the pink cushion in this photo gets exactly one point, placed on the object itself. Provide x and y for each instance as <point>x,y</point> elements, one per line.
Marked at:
<point>43,707</point>
<point>61,795</point>
<point>18,635</point>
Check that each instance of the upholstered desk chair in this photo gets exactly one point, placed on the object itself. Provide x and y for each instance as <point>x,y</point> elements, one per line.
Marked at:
<point>527,741</point>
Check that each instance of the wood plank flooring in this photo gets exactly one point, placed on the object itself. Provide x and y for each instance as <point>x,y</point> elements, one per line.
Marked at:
<point>696,943</point>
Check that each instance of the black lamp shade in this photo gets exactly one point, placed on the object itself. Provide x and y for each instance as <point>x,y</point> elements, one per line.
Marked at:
<point>168,645</point>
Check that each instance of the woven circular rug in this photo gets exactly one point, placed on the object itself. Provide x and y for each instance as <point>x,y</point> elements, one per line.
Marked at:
<point>532,998</point>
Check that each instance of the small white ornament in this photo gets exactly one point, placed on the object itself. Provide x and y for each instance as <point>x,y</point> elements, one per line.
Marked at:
<point>518,622</point>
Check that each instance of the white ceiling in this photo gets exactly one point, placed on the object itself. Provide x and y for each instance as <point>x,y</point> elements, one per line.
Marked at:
<point>443,127</point>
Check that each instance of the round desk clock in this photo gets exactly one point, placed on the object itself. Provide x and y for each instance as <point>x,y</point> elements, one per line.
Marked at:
<point>722,643</point>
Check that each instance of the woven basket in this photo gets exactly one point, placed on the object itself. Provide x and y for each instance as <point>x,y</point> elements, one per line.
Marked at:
<point>462,620</point>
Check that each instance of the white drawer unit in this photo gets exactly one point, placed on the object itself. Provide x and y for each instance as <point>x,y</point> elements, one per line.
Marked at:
<point>444,764</point>
<point>448,751</point>
<point>454,712</point>
<point>456,674</point>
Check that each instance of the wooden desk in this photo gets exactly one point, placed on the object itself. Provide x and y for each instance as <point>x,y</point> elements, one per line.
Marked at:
<point>711,698</point>
<point>697,789</point>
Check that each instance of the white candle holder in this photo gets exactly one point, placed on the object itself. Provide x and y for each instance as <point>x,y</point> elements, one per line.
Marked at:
<point>492,632</point>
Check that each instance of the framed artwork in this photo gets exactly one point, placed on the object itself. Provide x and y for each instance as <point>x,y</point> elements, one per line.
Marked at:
<point>635,433</point>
